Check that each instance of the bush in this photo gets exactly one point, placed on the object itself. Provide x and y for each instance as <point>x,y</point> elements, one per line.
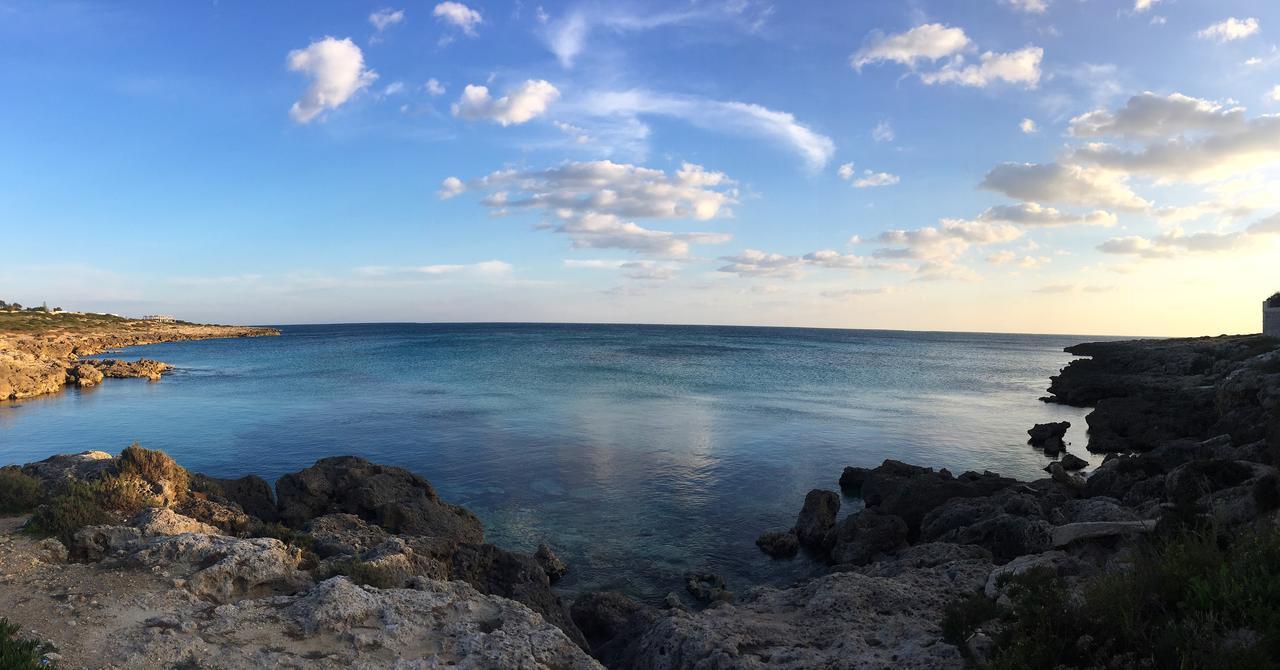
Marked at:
<point>17,653</point>
<point>19,493</point>
<point>961,618</point>
<point>155,467</point>
<point>102,501</point>
<point>1193,601</point>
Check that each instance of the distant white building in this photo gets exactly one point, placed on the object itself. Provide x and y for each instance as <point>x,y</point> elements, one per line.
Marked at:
<point>1271,316</point>
<point>159,317</point>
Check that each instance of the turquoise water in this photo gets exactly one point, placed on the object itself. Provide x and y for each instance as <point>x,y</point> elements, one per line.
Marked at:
<point>638,452</point>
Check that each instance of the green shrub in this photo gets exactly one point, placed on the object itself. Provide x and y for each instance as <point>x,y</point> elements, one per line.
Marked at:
<point>103,501</point>
<point>17,653</point>
<point>961,618</point>
<point>1192,601</point>
<point>19,493</point>
<point>154,467</point>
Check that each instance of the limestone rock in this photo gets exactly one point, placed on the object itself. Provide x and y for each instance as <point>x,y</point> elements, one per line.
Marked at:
<point>163,521</point>
<point>861,537</point>
<point>1072,532</point>
<point>223,569</point>
<point>516,576</point>
<point>394,498</point>
<point>343,534</point>
<point>1048,436</point>
<point>841,620</point>
<point>551,564</point>
<point>911,491</point>
<point>817,517</point>
<point>779,544</point>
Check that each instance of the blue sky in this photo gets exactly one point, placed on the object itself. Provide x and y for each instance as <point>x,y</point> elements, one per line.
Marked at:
<point>1090,166</point>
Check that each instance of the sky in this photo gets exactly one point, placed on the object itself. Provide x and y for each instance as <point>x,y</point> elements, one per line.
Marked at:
<point>1050,166</point>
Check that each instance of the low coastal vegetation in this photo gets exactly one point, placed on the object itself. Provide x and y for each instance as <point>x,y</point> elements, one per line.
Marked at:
<point>1197,599</point>
<point>19,493</point>
<point>17,653</point>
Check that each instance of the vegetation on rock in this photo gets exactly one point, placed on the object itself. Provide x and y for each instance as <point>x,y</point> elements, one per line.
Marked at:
<point>1195,600</point>
<point>19,493</point>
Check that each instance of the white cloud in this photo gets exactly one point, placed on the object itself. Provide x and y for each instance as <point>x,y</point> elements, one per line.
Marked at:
<point>756,263</point>
<point>927,42</point>
<point>1028,126</point>
<point>458,15</point>
<point>1274,94</point>
<point>394,88</point>
<point>845,171</point>
<point>1143,5</point>
<point>590,202</point>
<point>1216,156</point>
<point>451,187</point>
<point>337,72</point>
<point>731,116</point>
<point>871,179</point>
<point>645,270</point>
<point>883,132</point>
<point>1032,214</point>
<point>434,87</point>
<point>1015,67</point>
<point>486,269</point>
<point>942,245</point>
<point>1028,6</point>
<point>1230,29</point>
<point>385,18</point>
<point>528,101</point>
<point>1065,184</point>
<point>1151,116</point>
<point>1177,242</point>
<point>840,294</point>
<point>567,36</point>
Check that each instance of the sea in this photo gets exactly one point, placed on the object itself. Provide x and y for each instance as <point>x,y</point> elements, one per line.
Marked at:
<point>639,453</point>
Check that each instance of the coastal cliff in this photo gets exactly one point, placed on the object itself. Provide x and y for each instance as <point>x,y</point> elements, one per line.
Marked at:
<point>1167,554</point>
<point>42,352</point>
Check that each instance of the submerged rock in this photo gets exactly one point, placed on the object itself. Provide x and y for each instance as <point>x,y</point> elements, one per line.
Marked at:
<point>551,564</point>
<point>779,544</point>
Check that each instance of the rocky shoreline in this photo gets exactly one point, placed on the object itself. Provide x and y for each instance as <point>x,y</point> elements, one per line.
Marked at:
<point>353,564</point>
<point>41,353</point>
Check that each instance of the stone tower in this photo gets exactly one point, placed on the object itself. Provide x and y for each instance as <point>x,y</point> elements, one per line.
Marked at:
<point>1271,316</point>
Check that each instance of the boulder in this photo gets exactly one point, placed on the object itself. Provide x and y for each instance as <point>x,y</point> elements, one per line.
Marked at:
<point>860,537</point>
<point>343,535</point>
<point>251,493</point>
<point>83,375</point>
<point>911,492</point>
<point>817,517</point>
<point>57,472</point>
<point>1087,530</point>
<point>707,587</point>
<point>1048,436</point>
<point>1100,508</point>
<point>224,569</point>
<point>95,543</point>
<point>519,577</point>
<point>1071,462</point>
<point>394,498</point>
<point>779,544</point>
<point>164,521</point>
<point>143,368</point>
<point>1008,525</point>
<point>551,564</point>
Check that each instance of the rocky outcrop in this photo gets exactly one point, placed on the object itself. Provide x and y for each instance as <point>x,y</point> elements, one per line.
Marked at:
<point>779,544</point>
<point>817,517</point>
<point>393,498</point>
<point>142,368</point>
<point>1048,436</point>
<point>521,578</point>
<point>841,620</point>
<point>43,353</point>
<point>911,492</point>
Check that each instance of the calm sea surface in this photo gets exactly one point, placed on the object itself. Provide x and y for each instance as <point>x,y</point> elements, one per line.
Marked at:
<point>637,452</point>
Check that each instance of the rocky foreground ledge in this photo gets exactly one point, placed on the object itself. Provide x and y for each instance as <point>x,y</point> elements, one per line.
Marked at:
<point>42,352</point>
<point>1166,555</point>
